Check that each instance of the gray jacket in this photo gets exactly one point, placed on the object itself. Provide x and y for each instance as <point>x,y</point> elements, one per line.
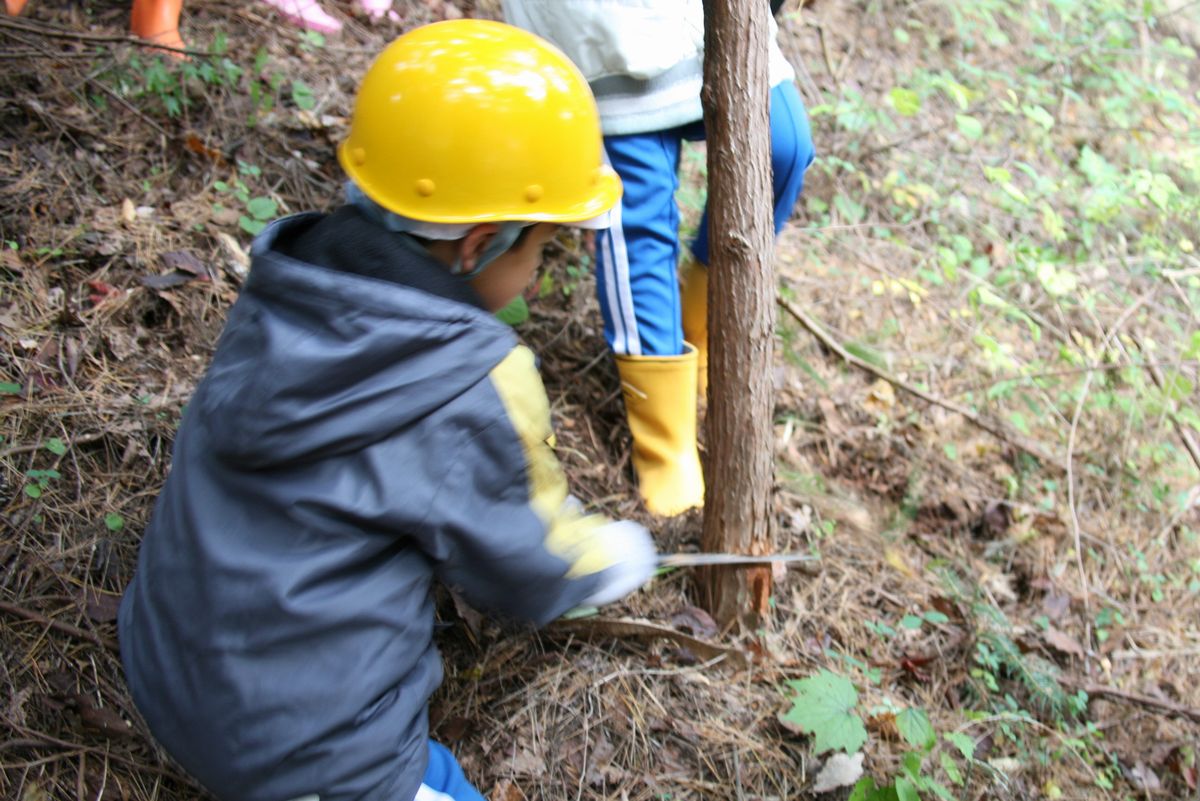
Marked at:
<point>363,429</point>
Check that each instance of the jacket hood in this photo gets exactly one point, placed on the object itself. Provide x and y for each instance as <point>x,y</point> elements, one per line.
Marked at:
<point>316,362</point>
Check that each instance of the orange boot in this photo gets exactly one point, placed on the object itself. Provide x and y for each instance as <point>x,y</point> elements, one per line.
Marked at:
<point>14,7</point>
<point>158,21</point>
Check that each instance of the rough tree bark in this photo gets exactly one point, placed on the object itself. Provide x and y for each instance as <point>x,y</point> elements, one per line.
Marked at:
<point>739,470</point>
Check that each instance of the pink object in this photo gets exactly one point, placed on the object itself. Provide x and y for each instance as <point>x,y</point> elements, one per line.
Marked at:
<point>306,14</point>
<point>377,9</point>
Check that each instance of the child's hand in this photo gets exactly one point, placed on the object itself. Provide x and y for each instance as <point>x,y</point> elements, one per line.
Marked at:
<point>635,565</point>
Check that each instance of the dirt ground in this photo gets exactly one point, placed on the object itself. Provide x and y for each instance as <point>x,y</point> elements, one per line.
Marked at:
<point>124,233</point>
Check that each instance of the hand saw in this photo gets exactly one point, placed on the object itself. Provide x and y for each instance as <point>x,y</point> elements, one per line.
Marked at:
<point>711,559</point>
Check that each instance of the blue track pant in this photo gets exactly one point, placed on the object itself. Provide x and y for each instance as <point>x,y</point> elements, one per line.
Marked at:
<point>636,259</point>
<point>444,780</point>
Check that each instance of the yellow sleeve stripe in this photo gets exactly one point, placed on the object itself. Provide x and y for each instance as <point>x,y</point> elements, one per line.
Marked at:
<point>569,535</point>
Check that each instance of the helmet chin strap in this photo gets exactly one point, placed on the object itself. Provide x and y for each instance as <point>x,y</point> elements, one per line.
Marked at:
<point>504,238</point>
<point>497,247</point>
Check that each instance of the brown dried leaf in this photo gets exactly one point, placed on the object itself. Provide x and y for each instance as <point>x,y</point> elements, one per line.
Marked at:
<point>120,343</point>
<point>834,426</point>
<point>1056,605</point>
<point>506,790</point>
<point>195,145</point>
<point>185,262</point>
<point>695,621</point>
<point>103,719</point>
<point>102,607</point>
<point>1144,778</point>
<point>34,792</point>
<point>1061,641</point>
<point>452,729</point>
<point>524,763</point>
<point>10,260</point>
<point>160,282</point>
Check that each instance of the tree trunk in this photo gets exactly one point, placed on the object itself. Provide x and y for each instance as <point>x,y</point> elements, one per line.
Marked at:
<point>740,466</point>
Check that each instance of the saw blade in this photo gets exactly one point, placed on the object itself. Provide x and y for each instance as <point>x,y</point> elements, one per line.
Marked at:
<point>717,559</point>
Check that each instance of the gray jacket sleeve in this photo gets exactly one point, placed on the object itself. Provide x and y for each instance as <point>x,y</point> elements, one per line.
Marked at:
<point>505,533</point>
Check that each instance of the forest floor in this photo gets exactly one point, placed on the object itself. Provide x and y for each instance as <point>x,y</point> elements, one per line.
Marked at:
<point>985,411</point>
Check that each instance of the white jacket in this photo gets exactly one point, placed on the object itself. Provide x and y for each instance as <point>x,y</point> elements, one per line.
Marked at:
<point>644,59</point>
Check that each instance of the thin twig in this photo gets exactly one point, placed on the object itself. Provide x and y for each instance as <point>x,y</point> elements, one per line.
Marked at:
<point>52,32</point>
<point>1159,381</point>
<point>995,429</point>
<point>1075,527</point>
<point>1160,704</point>
<point>65,628</point>
<point>18,449</point>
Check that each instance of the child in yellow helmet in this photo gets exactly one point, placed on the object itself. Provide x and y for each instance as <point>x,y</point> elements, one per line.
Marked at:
<point>368,427</point>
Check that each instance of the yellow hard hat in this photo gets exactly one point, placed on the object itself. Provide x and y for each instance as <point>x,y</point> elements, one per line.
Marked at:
<point>470,121</point>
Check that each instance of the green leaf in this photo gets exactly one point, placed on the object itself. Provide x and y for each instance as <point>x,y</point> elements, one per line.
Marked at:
<point>1187,416</point>
<point>911,622</point>
<point>250,226</point>
<point>33,490</point>
<point>261,208</point>
<point>1052,223</point>
<point>905,791</point>
<point>114,522</point>
<point>963,742</point>
<point>914,726</point>
<point>313,38</point>
<point>910,764</point>
<point>860,792</point>
<point>1176,386</point>
<point>1056,282</point>
<point>515,313</point>
<point>939,789</point>
<point>1192,352</point>
<point>56,446</point>
<point>906,102</point>
<point>867,354</point>
<point>969,126</point>
<point>302,96</point>
<point>950,768</point>
<point>823,706</point>
<point>867,790</point>
<point>997,175</point>
<point>853,211</point>
<point>1039,115</point>
<point>9,388</point>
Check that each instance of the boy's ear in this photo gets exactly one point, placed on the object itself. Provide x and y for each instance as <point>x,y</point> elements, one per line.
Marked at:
<point>474,243</point>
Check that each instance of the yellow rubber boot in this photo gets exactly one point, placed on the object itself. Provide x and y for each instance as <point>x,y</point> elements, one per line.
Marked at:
<point>693,300</point>
<point>660,404</point>
<point>158,21</point>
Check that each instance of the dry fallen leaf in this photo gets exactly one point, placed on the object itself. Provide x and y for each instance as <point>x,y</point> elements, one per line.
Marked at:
<point>524,763</point>
<point>1061,641</point>
<point>237,260</point>
<point>1144,778</point>
<point>506,790</point>
<point>695,621</point>
<point>898,561</point>
<point>881,397</point>
<point>840,770</point>
<point>102,607</point>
